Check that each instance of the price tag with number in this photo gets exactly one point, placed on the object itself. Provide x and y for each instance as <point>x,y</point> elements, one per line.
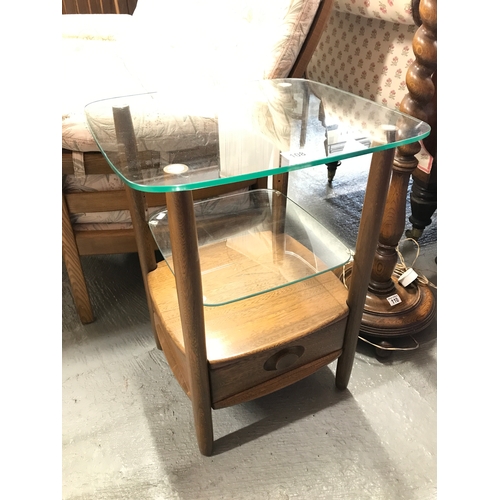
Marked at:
<point>296,157</point>
<point>394,299</point>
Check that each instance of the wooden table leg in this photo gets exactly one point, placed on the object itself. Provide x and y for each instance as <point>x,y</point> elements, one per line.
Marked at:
<point>126,139</point>
<point>187,270</point>
<point>359,277</point>
<point>186,261</point>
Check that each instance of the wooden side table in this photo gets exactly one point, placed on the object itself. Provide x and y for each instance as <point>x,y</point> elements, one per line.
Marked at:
<point>256,251</point>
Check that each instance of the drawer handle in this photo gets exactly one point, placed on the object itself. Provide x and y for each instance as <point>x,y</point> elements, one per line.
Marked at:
<point>284,359</point>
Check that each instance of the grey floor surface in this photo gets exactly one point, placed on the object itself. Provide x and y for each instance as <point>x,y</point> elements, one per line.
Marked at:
<point>127,427</point>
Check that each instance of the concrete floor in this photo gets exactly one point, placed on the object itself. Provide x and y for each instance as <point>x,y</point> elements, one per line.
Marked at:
<point>127,426</point>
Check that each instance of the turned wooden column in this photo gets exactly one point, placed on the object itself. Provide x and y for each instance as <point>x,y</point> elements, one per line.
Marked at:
<point>390,308</point>
<point>423,197</point>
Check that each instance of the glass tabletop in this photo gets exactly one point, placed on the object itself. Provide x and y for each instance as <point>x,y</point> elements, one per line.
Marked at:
<point>165,142</point>
<point>253,242</point>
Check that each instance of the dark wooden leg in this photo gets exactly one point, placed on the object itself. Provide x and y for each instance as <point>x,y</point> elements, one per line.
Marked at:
<point>423,201</point>
<point>186,261</point>
<point>369,228</point>
<point>423,196</point>
<point>280,183</point>
<point>332,170</point>
<point>74,268</point>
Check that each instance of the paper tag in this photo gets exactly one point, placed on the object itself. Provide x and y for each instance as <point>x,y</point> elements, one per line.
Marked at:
<point>394,299</point>
<point>425,160</point>
<point>296,157</point>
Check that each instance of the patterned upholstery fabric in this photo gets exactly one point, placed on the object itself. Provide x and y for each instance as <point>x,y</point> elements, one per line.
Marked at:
<point>366,49</point>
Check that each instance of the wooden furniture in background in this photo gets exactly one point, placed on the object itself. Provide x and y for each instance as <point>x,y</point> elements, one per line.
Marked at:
<point>415,306</point>
<point>366,49</point>
<point>103,242</point>
<point>423,195</point>
<point>75,244</point>
<point>98,6</point>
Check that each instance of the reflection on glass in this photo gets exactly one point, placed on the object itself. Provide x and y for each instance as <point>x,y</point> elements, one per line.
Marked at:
<point>250,129</point>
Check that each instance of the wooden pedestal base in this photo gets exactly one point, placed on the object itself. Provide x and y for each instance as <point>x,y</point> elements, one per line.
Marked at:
<point>413,314</point>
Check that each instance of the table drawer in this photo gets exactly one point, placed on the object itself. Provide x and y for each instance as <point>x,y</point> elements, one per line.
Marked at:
<point>233,378</point>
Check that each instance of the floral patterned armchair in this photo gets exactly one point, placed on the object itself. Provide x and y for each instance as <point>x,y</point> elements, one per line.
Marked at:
<point>367,49</point>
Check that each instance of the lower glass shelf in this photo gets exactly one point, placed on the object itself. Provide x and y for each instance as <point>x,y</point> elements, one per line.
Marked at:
<point>252,242</point>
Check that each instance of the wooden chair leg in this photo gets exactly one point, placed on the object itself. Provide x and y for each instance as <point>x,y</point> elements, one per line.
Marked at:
<point>74,267</point>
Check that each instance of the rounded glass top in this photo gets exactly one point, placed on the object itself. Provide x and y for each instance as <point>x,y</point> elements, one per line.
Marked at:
<point>165,141</point>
